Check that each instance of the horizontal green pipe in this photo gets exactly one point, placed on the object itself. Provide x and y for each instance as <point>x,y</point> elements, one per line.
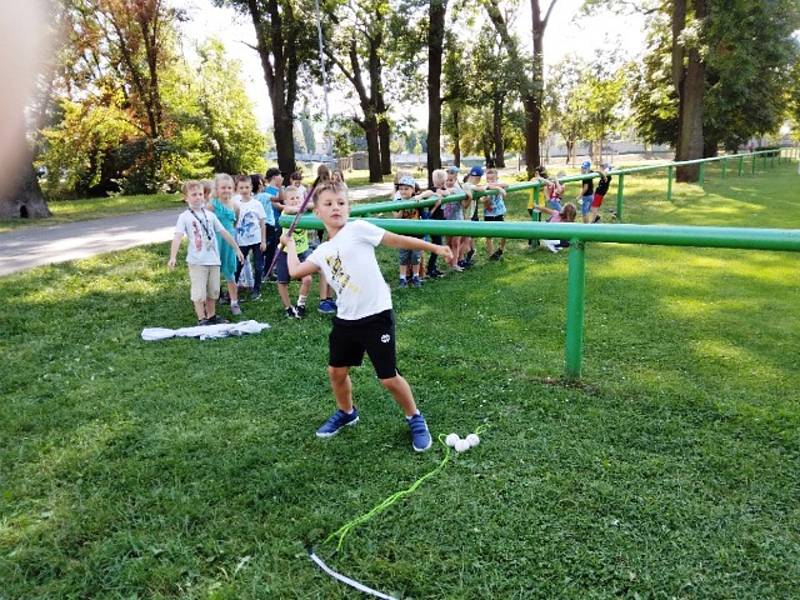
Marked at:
<point>393,205</point>
<point>659,235</point>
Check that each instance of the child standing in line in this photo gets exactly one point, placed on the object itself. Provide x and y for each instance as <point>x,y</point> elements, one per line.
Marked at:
<point>227,213</point>
<point>296,181</point>
<point>251,231</point>
<point>208,190</point>
<point>338,177</point>
<point>454,211</point>
<point>408,257</point>
<point>473,184</point>
<point>364,321</point>
<point>439,180</point>
<point>292,202</point>
<point>273,180</point>
<point>327,305</point>
<point>199,226</point>
<point>494,209</point>
<point>600,192</point>
<point>555,191</point>
<point>587,191</point>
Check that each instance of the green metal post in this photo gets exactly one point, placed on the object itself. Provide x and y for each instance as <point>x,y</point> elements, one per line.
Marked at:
<point>576,280</point>
<point>724,167</point>
<point>669,184</point>
<point>741,164</point>
<point>702,177</point>
<point>764,157</point>
<point>620,191</point>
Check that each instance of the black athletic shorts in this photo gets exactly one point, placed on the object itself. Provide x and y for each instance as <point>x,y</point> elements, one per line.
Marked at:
<point>496,218</point>
<point>373,334</point>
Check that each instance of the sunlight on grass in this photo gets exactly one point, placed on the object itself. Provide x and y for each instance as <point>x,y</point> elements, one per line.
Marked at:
<point>188,469</point>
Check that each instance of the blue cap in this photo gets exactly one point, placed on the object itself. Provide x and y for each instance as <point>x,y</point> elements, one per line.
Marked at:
<point>407,180</point>
<point>476,171</point>
<point>585,164</point>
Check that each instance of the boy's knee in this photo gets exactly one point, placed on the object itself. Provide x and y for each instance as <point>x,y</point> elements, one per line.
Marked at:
<point>391,382</point>
<point>337,374</point>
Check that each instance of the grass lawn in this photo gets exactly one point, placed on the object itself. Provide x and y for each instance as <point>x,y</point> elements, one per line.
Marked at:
<point>188,469</point>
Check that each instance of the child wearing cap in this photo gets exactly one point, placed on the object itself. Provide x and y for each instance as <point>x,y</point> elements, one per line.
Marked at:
<point>473,184</point>
<point>410,258</point>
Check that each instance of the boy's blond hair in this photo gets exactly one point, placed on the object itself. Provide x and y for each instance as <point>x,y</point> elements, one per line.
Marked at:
<point>190,185</point>
<point>439,177</point>
<point>491,171</point>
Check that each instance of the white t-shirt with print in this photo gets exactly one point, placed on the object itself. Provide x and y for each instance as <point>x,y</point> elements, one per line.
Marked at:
<point>349,265</point>
<point>200,228</point>
<point>248,227</point>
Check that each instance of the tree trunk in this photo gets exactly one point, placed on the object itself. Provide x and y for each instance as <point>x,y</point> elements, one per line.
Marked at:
<point>23,198</point>
<point>370,126</point>
<point>385,139</point>
<point>691,85</point>
<point>497,133</point>
<point>284,138</point>
<point>457,136</point>
<point>533,115</point>
<point>435,49</point>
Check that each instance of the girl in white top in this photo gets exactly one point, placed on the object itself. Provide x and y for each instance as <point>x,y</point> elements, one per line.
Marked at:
<point>364,320</point>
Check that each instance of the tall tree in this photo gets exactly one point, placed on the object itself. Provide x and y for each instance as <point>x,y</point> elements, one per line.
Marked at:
<point>356,52</point>
<point>285,40</point>
<point>530,71</point>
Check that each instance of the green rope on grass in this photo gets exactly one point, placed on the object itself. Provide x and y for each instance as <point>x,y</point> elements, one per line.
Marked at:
<point>345,529</point>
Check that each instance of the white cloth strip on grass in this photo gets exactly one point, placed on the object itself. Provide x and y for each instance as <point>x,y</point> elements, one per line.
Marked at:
<point>346,580</point>
<point>204,332</point>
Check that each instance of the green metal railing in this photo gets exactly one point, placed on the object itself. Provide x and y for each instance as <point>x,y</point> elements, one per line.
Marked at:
<point>578,236</point>
<point>768,156</point>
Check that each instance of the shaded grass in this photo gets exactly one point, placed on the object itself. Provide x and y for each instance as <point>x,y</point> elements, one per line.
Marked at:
<point>189,469</point>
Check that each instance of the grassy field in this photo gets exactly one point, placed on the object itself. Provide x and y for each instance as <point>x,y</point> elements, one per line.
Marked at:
<point>188,469</point>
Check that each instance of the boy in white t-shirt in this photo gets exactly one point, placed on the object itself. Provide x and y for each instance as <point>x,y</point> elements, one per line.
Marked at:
<point>201,227</point>
<point>251,231</point>
<point>364,319</point>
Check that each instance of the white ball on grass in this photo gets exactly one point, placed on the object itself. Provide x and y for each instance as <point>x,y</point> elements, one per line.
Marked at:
<point>451,439</point>
<point>462,446</point>
<point>473,440</point>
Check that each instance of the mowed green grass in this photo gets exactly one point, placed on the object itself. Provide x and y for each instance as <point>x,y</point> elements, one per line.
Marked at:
<point>188,469</point>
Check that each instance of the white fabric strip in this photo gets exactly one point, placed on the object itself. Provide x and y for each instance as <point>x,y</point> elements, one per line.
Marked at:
<point>204,332</point>
<point>346,580</point>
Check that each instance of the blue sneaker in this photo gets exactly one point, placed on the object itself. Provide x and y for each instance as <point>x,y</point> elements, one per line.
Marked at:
<point>416,281</point>
<point>420,436</point>
<point>327,307</point>
<point>336,421</point>
<point>403,283</point>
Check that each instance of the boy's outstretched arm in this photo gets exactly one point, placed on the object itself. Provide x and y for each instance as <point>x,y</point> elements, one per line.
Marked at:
<point>297,269</point>
<point>394,240</point>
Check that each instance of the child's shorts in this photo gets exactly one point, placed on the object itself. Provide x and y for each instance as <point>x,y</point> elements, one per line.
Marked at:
<point>282,265</point>
<point>205,282</point>
<point>373,334</point>
<point>597,200</point>
<point>586,204</point>
<point>496,218</point>
<point>410,257</point>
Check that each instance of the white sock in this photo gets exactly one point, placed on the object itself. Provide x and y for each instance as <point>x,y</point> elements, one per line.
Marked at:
<point>301,300</point>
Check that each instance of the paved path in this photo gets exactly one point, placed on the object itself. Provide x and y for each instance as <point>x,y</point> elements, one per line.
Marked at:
<point>35,246</point>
